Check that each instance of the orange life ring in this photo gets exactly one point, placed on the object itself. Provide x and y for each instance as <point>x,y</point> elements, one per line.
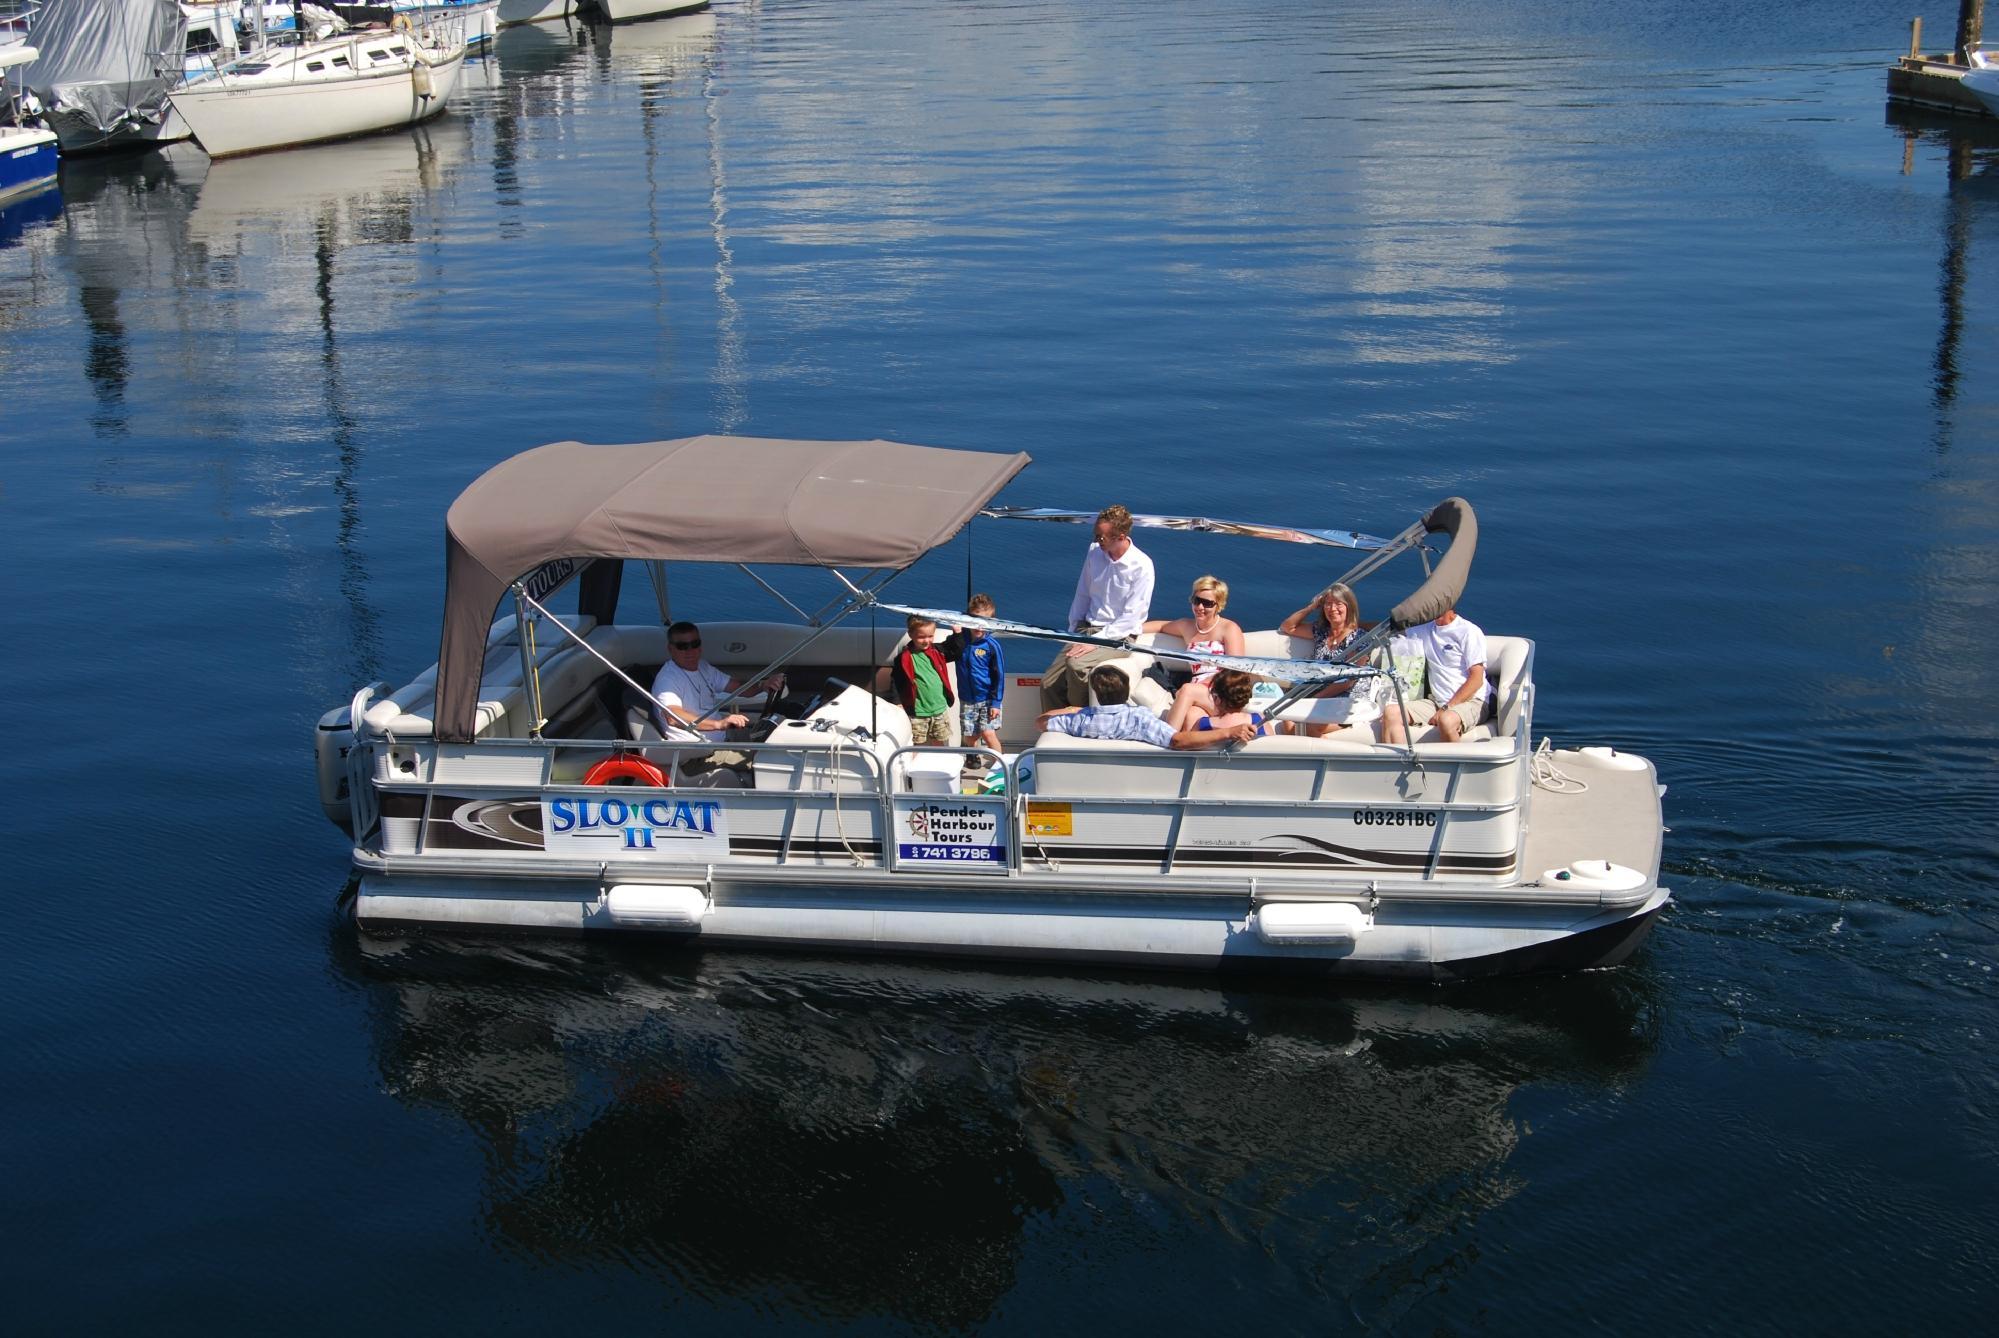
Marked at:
<point>629,768</point>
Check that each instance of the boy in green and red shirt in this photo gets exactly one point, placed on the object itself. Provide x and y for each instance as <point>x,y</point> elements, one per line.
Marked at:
<point>923,686</point>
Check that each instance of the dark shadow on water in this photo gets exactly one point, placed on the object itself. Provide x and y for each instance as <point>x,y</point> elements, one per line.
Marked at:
<point>852,1138</point>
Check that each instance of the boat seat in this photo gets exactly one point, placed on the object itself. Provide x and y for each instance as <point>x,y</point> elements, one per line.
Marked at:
<point>1134,663</point>
<point>408,711</point>
<point>1509,664</point>
<point>1278,770</point>
<point>1067,765</point>
<point>736,647</point>
<point>1265,645</point>
<point>1428,746</point>
<point>1509,660</point>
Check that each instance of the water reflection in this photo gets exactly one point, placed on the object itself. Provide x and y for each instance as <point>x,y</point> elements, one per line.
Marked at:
<point>1970,148</point>
<point>360,191</point>
<point>18,216</point>
<point>115,235</point>
<point>880,1139</point>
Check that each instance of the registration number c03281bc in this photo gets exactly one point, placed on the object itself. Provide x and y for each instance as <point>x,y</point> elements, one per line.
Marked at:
<point>1394,817</point>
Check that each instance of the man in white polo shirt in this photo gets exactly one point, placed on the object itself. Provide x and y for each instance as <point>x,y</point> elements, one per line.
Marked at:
<point>1113,597</point>
<point>688,682</point>
<point>1457,696</point>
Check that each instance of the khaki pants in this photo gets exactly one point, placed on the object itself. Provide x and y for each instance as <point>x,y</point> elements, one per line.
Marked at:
<point>1067,681</point>
<point>1470,713</point>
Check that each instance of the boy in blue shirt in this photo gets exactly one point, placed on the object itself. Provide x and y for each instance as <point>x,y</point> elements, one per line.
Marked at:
<point>981,678</point>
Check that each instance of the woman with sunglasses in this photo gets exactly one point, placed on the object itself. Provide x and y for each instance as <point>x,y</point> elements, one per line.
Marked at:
<point>1204,629</point>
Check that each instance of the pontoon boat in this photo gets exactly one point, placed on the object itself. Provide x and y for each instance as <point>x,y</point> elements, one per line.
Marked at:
<point>481,794</point>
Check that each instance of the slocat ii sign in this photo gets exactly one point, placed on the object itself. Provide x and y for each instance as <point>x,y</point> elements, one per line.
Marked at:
<point>600,828</point>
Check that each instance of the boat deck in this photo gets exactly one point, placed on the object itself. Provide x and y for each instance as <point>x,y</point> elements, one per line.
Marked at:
<point>1616,818</point>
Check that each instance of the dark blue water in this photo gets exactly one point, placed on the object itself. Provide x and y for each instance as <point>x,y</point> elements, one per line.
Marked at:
<point>1704,333</point>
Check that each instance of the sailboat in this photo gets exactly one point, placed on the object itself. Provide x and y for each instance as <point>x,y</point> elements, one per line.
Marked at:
<point>335,83</point>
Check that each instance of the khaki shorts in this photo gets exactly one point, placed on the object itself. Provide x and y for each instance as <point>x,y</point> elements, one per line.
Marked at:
<point>930,728</point>
<point>1474,712</point>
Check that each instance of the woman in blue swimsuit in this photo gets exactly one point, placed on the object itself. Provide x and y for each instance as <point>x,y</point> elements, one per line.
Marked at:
<point>1231,690</point>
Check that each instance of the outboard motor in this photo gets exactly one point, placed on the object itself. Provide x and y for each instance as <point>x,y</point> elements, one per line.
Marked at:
<point>333,742</point>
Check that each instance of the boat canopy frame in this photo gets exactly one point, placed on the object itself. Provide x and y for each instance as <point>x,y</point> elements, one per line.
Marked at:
<point>1443,585</point>
<point>708,499</point>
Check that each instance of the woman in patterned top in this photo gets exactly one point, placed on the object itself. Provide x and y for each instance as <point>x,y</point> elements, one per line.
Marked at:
<point>1332,622</point>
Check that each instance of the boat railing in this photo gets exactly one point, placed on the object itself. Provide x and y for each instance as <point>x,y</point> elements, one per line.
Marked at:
<point>548,761</point>
<point>854,773</point>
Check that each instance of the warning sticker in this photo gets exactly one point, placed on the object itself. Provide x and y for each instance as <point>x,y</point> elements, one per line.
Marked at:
<point>1050,820</point>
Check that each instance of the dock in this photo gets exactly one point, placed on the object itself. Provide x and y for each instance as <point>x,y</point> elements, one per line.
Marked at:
<point>1937,81</point>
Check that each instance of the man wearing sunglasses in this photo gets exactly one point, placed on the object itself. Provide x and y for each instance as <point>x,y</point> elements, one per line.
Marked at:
<point>688,688</point>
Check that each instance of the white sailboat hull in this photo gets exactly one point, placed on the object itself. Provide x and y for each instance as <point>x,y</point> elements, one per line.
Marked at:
<point>533,11</point>
<point>247,118</point>
<point>623,11</point>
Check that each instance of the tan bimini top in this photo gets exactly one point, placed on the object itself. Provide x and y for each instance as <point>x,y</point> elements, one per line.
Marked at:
<point>869,504</point>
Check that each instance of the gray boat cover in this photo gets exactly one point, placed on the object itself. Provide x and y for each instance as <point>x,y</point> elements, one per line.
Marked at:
<point>1452,516</point>
<point>870,504</point>
<point>106,66</point>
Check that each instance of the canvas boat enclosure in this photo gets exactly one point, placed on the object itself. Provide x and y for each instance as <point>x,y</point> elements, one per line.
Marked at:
<point>106,67</point>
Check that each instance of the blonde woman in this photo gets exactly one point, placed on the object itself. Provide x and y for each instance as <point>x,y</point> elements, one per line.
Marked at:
<point>1204,630</point>
<point>1331,622</point>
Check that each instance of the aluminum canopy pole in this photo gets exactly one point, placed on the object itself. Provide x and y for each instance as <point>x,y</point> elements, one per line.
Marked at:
<point>525,637</point>
<point>862,596</point>
<point>1409,538</point>
<point>774,592</point>
<point>569,632</point>
<point>656,570</point>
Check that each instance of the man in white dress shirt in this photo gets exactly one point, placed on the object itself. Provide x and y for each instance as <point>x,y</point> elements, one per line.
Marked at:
<point>688,686</point>
<point>1113,597</point>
